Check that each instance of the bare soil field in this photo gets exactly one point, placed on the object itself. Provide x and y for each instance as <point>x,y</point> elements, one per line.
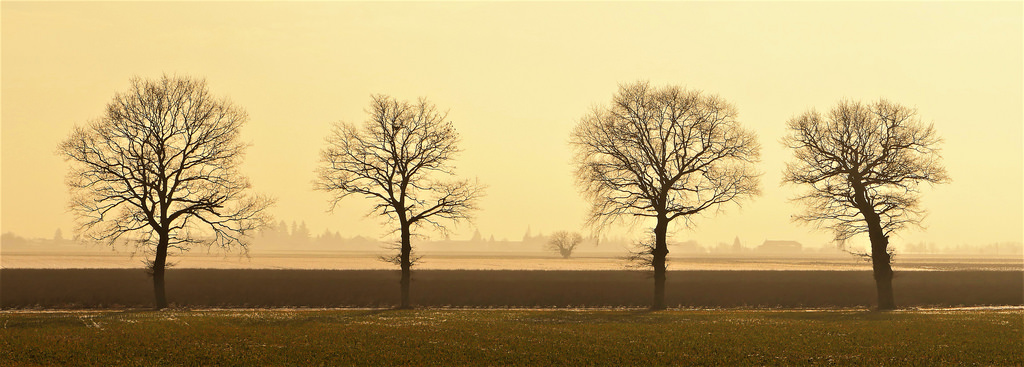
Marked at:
<point>197,288</point>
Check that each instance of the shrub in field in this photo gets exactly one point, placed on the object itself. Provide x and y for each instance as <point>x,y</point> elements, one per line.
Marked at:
<point>564,242</point>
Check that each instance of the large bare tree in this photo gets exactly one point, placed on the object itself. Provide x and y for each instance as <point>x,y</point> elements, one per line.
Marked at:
<point>863,165</point>
<point>160,170</point>
<point>662,154</point>
<point>399,159</point>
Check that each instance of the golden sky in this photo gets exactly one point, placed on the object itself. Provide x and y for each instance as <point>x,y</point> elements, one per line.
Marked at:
<point>516,77</point>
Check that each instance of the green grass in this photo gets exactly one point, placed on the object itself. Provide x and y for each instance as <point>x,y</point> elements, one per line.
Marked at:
<point>512,337</point>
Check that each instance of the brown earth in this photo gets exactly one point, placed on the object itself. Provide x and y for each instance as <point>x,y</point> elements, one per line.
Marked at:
<point>114,288</point>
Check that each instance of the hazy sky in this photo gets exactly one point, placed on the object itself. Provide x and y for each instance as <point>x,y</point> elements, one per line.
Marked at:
<point>516,78</point>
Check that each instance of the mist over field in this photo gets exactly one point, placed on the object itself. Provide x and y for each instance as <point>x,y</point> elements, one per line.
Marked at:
<point>331,251</point>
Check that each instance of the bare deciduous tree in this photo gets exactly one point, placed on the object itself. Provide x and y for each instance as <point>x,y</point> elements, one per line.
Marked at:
<point>160,170</point>
<point>863,164</point>
<point>395,160</point>
<point>564,242</point>
<point>662,154</point>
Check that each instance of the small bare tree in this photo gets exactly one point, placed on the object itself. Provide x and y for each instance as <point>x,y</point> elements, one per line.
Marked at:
<point>564,242</point>
<point>160,170</point>
<point>862,165</point>
<point>397,159</point>
<point>662,154</point>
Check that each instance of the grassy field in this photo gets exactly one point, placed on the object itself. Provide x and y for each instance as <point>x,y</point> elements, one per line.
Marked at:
<point>114,288</point>
<point>512,337</point>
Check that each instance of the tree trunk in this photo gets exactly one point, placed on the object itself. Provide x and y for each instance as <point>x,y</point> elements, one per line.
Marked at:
<point>882,269</point>
<point>880,260</point>
<point>879,246</point>
<point>159,265</point>
<point>658,262</point>
<point>406,263</point>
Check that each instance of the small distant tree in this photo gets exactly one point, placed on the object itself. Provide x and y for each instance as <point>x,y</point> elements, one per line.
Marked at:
<point>160,170</point>
<point>662,154</point>
<point>564,242</point>
<point>398,159</point>
<point>862,165</point>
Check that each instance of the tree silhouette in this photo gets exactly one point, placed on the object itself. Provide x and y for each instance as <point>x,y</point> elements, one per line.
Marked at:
<point>862,165</point>
<point>662,154</point>
<point>160,170</point>
<point>395,160</point>
<point>564,243</point>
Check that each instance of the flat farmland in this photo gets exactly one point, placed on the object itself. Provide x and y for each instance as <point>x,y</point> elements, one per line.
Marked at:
<point>428,337</point>
<point>369,260</point>
<point>267,288</point>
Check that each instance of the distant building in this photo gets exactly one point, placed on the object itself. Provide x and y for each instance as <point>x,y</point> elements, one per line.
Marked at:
<point>780,247</point>
<point>690,247</point>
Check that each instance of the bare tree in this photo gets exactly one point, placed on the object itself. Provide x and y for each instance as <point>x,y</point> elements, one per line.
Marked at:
<point>662,154</point>
<point>863,164</point>
<point>395,160</point>
<point>160,170</point>
<point>564,243</point>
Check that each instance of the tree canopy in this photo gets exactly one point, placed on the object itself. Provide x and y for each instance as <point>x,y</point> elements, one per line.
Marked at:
<point>862,158</point>
<point>663,152</point>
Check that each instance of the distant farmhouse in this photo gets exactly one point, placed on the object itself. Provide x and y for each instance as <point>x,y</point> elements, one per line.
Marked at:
<point>780,247</point>
<point>689,247</point>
